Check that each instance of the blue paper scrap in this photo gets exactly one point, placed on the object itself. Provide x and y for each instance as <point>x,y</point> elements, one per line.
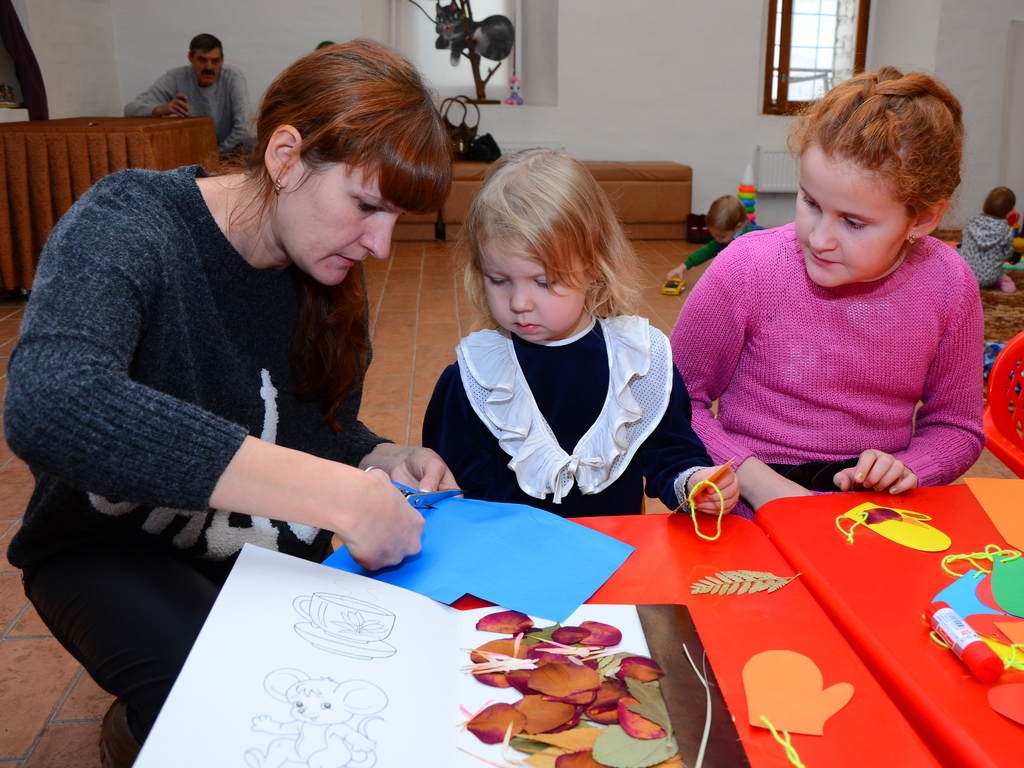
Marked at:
<point>518,557</point>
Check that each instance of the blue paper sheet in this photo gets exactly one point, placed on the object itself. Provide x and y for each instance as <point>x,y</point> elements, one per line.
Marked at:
<point>515,556</point>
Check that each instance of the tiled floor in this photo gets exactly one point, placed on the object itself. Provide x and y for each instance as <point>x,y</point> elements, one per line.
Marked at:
<point>50,711</point>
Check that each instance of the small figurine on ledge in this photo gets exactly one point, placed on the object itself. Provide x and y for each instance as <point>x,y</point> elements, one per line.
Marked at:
<point>515,87</point>
<point>7,95</point>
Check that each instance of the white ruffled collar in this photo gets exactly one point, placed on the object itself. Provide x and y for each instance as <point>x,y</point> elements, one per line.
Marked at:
<point>509,409</point>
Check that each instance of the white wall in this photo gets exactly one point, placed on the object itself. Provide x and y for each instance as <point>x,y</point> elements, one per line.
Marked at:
<point>658,79</point>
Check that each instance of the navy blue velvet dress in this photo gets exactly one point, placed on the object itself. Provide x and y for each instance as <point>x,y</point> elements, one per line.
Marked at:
<point>569,384</point>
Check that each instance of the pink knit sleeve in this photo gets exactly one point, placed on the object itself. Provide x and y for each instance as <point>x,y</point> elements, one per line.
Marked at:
<point>706,344</point>
<point>948,435</point>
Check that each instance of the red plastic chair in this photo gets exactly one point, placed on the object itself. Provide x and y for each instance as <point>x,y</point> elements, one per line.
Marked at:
<point>1004,409</point>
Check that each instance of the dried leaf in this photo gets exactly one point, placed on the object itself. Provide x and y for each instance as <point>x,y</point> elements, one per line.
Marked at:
<point>572,741</point>
<point>673,762</point>
<point>739,582</point>
<point>601,634</point>
<point>635,725</point>
<point>610,692</point>
<point>543,716</point>
<point>545,759</point>
<point>617,749</point>
<point>520,680</point>
<point>527,744</point>
<point>604,715</point>
<point>505,623</point>
<point>639,668</point>
<point>491,724</point>
<point>581,759</point>
<point>650,703</point>
<point>609,665</point>
<point>561,680</point>
<point>543,633</point>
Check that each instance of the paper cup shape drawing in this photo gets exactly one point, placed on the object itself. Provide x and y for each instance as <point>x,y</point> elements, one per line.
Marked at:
<point>786,688</point>
<point>903,526</point>
<point>346,618</point>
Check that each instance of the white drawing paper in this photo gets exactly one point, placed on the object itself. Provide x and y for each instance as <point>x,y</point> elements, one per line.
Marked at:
<point>303,665</point>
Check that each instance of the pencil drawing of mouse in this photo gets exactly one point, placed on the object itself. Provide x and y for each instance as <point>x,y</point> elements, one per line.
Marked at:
<point>328,725</point>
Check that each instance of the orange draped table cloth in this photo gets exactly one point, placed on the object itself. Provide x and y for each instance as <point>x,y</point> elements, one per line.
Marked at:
<point>48,164</point>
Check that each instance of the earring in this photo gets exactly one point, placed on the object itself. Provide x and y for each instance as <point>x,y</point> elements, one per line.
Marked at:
<point>277,187</point>
<point>911,239</point>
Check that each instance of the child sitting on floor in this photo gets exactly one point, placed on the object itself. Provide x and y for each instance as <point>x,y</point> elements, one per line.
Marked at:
<point>727,219</point>
<point>571,401</point>
<point>988,241</point>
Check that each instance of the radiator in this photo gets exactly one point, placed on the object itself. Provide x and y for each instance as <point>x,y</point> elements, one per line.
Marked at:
<point>777,170</point>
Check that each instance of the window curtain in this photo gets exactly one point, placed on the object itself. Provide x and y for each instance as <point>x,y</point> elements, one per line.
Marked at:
<point>25,65</point>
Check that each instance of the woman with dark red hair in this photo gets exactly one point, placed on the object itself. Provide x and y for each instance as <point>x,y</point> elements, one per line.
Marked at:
<point>190,369</point>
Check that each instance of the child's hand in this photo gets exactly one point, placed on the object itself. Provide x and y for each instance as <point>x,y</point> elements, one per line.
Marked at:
<point>678,272</point>
<point>706,499</point>
<point>876,471</point>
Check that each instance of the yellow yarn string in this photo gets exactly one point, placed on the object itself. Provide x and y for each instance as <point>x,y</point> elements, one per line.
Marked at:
<point>693,509</point>
<point>859,518</point>
<point>990,553</point>
<point>791,754</point>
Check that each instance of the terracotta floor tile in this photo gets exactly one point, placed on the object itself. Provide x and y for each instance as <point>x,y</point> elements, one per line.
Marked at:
<point>29,625</point>
<point>6,567</point>
<point>389,363</point>
<point>34,676</point>
<point>392,424</point>
<point>87,701</point>
<point>68,745</point>
<point>382,393</point>
<point>12,602</point>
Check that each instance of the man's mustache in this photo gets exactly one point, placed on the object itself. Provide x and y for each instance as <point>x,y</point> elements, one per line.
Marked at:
<point>209,72</point>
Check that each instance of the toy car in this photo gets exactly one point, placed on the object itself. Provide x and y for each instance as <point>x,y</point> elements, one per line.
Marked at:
<point>673,286</point>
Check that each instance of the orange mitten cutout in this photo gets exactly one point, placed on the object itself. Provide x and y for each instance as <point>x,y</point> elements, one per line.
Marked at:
<point>786,688</point>
<point>1008,700</point>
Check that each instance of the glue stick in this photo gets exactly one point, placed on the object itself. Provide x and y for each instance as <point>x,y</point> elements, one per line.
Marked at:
<point>974,652</point>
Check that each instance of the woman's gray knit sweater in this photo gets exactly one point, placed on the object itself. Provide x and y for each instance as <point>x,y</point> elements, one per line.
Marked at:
<point>150,348</point>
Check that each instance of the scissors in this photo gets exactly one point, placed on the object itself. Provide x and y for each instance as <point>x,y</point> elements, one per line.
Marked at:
<point>421,500</point>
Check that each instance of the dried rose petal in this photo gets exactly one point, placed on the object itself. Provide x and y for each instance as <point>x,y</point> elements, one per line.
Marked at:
<point>639,668</point>
<point>493,679</point>
<point>605,714</point>
<point>583,698</point>
<point>543,716</point>
<point>520,680</point>
<point>573,722</point>
<point>491,725</point>
<point>504,646</point>
<point>569,635</point>
<point>505,623</point>
<point>547,652</point>
<point>635,725</point>
<point>878,515</point>
<point>601,634</point>
<point>610,693</point>
<point>563,679</point>
<point>582,759</point>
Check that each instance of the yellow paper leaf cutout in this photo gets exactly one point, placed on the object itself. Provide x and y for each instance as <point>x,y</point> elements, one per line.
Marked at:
<point>904,526</point>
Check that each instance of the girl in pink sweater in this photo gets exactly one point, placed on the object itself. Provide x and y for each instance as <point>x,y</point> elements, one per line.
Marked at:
<point>820,339</point>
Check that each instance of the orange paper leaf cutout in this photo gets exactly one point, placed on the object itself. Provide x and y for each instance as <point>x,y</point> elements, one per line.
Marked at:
<point>1008,700</point>
<point>1001,501</point>
<point>786,687</point>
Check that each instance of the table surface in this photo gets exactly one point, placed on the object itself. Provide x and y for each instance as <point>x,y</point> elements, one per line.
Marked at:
<point>670,557</point>
<point>876,591</point>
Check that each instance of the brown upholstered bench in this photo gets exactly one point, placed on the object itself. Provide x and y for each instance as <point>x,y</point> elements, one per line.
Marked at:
<point>651,198</point>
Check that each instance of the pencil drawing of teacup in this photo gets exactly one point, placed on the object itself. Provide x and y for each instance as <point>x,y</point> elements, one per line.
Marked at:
<point>346,617</point>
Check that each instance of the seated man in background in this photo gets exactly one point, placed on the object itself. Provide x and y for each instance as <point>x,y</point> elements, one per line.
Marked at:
<point>205,88</point>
